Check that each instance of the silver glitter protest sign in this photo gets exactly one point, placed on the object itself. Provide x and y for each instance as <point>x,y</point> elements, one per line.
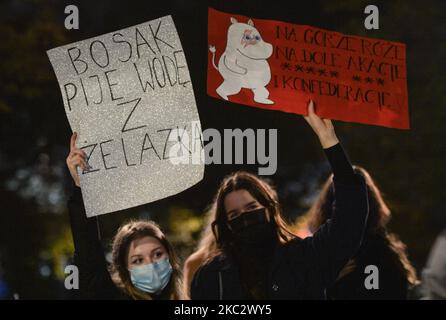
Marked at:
<point>129,96</point>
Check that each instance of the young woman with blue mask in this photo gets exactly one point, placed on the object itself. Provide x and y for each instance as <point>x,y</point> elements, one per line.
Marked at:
<point>144,265</point>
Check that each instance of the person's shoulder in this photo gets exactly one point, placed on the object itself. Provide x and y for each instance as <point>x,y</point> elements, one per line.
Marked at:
<point>215,263</point>
<point>204,283</point>
<point>380,251</point>
<point>195,258</point>
<point>294,242</point>
<point>208,269</point>
<point>297,246</point>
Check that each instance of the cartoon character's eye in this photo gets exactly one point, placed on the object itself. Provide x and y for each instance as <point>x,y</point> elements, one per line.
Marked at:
<point>247,37</point>
<point>257,37</point>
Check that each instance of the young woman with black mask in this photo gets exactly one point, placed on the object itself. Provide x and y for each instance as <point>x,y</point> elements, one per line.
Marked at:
<point>256,257</point>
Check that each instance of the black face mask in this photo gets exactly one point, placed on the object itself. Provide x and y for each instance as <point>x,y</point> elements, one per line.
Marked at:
<point>253,228</point>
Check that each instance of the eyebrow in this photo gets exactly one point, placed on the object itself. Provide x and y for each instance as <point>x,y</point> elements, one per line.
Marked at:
<point>246,205</point>
<point>140,255</point>
<point>157,248</point>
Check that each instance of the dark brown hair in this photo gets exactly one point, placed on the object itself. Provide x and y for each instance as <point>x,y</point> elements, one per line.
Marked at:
<point>121,244</point>
<point>378,218</point>
<point>216,236</point>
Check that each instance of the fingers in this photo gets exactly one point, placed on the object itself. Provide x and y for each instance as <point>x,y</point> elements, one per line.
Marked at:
<point>328,124</point>
<point>76,157</point>
<point>74,150</point>
<point>310,111</point>
<point>323,128</point>
<point>77,152</point>
<point>73,141</point>
<point>312,118</point>
<point>78,161</point>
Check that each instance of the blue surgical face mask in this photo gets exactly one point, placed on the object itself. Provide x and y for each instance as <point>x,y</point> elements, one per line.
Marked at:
<point>153,277</point>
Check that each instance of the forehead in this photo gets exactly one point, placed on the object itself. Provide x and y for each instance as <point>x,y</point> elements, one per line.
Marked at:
<point>143,245</point>
<point>238,199</point>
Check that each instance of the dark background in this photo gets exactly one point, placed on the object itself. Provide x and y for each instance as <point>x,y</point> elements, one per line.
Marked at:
<point>35,239</point>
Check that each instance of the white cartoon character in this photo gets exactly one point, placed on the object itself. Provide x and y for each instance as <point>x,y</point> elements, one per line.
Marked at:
<point>243,64</point>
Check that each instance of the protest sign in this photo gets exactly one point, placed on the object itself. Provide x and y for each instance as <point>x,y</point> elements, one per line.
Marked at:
<point>129,96</point>
<point>280,66</point>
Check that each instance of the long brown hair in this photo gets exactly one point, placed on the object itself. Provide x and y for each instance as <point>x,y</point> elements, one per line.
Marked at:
<point>216,236</point>
<point>378,218</point>
<point>120,274</point>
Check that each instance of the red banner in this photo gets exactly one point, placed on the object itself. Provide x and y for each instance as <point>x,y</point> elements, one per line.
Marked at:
<point>280,66</point>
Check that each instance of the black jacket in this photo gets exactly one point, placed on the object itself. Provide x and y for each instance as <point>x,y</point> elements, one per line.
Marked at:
<point>302,268</point>
<point>392,276</point>
<point>94,278</point>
